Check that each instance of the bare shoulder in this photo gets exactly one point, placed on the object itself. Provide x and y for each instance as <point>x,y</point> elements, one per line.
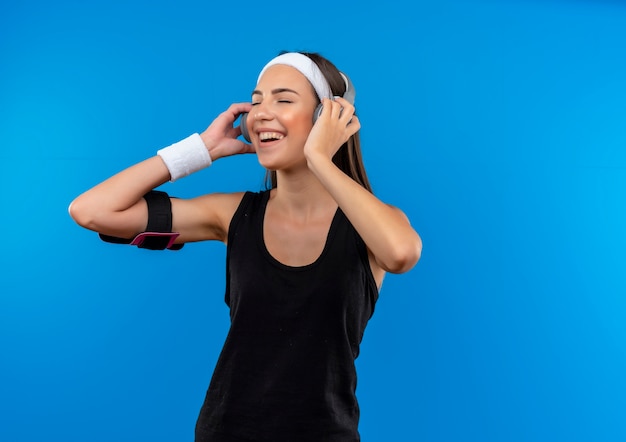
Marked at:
<point>206,217</point>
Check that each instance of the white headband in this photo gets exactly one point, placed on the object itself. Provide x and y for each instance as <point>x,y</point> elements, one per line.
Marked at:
<point>307,67</point>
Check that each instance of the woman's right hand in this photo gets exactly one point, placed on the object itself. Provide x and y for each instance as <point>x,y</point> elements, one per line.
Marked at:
<point>220,137</point>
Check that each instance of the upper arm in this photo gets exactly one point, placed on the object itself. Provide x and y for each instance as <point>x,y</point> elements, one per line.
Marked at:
<point>204,218</point>
<point>403,246</point>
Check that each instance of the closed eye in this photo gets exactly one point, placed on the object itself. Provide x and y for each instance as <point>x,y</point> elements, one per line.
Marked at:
<point>278,101</point>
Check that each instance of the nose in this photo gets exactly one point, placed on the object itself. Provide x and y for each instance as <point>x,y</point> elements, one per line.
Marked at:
<point>262,112</point>
<point>258,113</point>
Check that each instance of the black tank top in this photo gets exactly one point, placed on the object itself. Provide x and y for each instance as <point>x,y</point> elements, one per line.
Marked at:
<point>286,371</point>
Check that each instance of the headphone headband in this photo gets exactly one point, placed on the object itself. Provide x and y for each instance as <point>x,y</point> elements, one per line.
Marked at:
<point>350,93</point>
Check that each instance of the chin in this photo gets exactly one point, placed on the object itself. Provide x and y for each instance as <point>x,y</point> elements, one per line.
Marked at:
<point>270,166</point>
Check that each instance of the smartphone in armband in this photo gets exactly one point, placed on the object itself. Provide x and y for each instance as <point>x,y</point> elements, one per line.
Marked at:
<point>155,240</point>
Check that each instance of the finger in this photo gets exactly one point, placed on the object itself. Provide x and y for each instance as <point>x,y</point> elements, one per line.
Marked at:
<point>346,107</point>
<point>236,109</point>
<point>344,103</point>
<point>327,104</point>
<point>354,125</point>
<point>341,110</point>
<point>237,147</point>
<point>234,132</point>
<point>335,109</point>
<point>247,148</point>
<point>240,107</point>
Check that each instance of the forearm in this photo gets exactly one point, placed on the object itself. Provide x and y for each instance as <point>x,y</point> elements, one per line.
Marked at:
<point>385,229</point>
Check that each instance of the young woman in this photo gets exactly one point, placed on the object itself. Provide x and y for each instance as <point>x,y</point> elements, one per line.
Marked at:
<point>305,258</point>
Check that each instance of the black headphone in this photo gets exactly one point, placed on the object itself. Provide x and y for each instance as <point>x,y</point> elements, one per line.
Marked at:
<point>348,95</point>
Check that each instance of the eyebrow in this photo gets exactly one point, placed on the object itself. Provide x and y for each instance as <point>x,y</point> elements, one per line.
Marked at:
<point>276,91</point>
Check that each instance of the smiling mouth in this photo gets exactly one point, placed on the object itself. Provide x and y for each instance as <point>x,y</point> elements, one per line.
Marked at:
<point>267,137</point>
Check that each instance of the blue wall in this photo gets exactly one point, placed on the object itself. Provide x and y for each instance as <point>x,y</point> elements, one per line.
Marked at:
<point>499,128</point>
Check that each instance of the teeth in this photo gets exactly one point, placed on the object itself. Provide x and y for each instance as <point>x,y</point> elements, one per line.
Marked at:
<point>264,136</point>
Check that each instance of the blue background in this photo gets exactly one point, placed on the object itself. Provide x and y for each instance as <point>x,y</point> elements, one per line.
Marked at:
<point>498,127</point>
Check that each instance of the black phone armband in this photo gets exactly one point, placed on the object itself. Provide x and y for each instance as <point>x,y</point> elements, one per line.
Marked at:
<point>158,234</point>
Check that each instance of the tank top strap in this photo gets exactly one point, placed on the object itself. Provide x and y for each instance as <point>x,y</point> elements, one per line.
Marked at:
<point>249,205</point>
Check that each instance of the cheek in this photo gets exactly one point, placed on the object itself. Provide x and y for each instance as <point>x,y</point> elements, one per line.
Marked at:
<point>300,121</point>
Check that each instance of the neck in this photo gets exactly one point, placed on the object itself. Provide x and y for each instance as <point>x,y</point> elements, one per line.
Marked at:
<point>301,194</point>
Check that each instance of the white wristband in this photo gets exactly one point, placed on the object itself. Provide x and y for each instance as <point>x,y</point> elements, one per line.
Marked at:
<point>185,157</point>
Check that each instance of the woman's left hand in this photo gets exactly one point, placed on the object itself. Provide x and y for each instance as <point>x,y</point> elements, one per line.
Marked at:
<point>335,125</point>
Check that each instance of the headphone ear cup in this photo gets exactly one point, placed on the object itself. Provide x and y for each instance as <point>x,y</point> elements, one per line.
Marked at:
<point>317,112</point>
<point>244,127</point>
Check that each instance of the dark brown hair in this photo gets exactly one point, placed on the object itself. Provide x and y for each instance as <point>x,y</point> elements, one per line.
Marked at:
<point>348,158</point>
